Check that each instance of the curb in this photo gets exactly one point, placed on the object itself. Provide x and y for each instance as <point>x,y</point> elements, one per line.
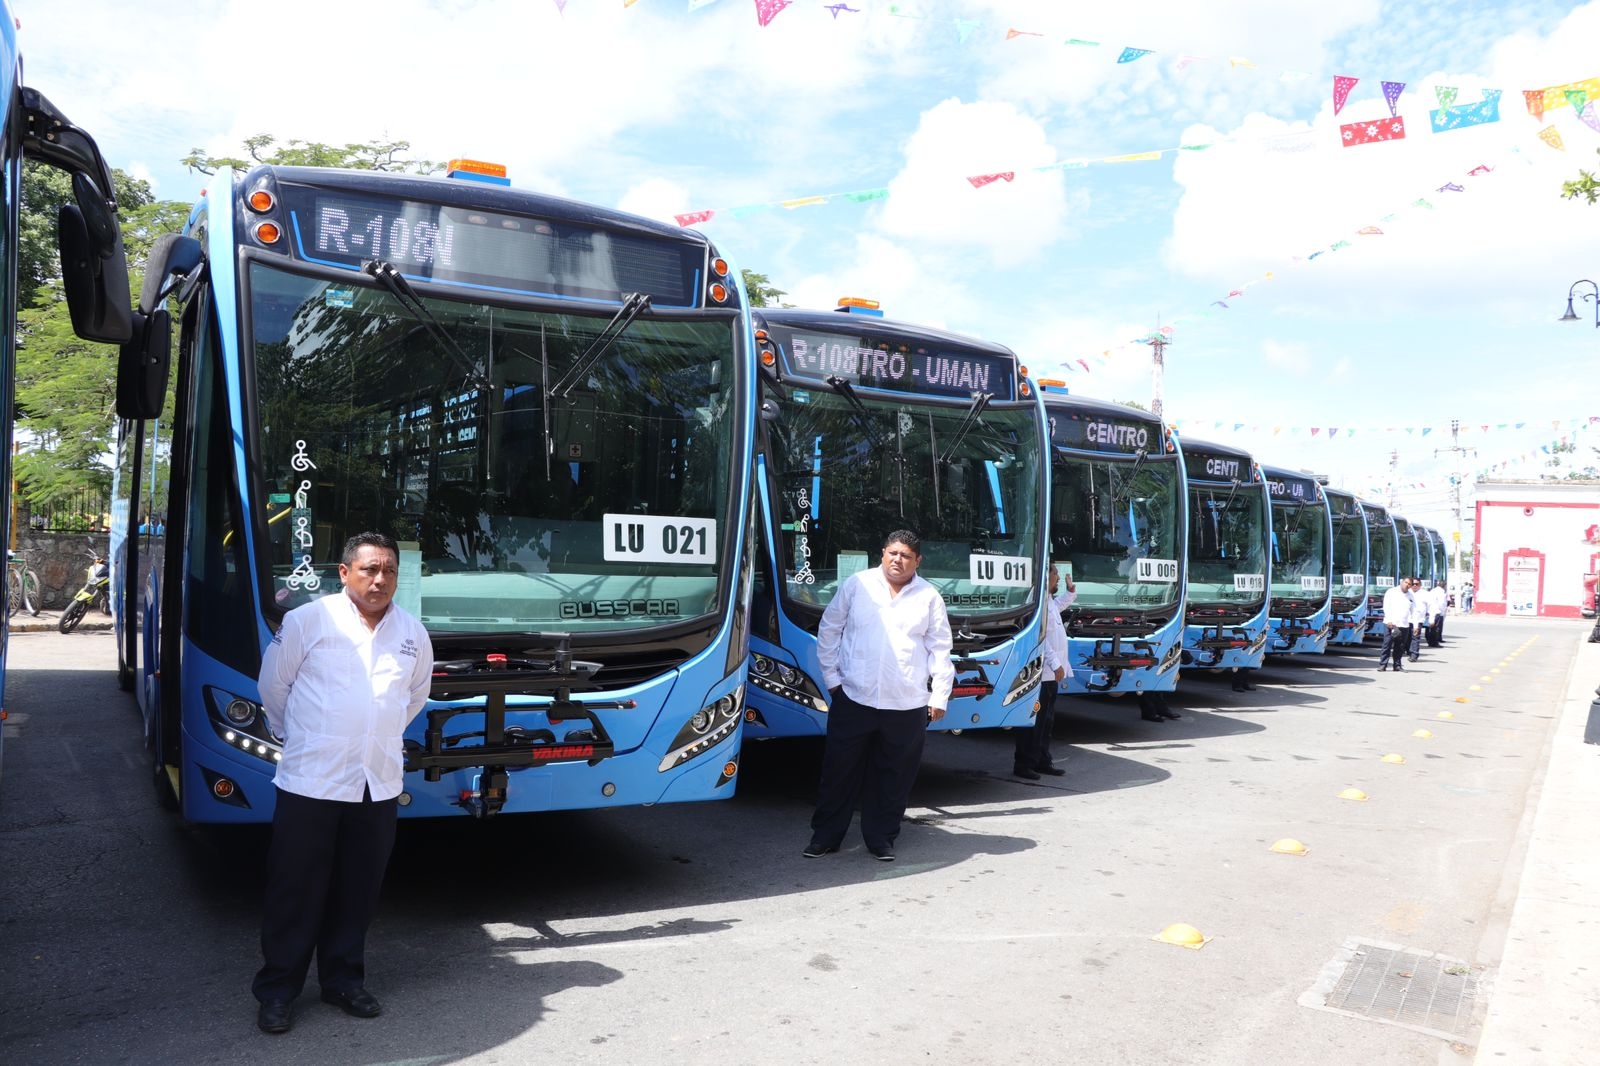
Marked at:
<point>1543,1007</point>
<point>50,621</point>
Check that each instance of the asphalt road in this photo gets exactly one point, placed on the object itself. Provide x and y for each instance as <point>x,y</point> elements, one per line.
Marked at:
<point>1016,927</point>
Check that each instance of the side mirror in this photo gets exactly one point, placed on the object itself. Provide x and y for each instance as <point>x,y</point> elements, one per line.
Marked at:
<point>95,277</point>
<point>143,365</point>
<point>172,255</point>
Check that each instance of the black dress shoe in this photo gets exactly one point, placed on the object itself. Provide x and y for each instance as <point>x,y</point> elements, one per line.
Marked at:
<point>358,1002</point>
<point>1152,716</point>
<point>1051,770</point>
<point>273,1016</point>
<point>883,854</point>
<point>814,850</point>
<point>1171,715</point>
<point>1024,773</point>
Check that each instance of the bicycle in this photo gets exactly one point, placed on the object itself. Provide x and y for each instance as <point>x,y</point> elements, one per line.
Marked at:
<point>22,586</point>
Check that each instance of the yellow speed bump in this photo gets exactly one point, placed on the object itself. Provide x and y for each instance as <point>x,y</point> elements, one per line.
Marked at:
<point>1462,699</point>
<point>1485,677</point>
<point>1447,715</point>
<point>1474,688</point>
<point>1184,936</point>
<point>1423,734</point>
<point>1288,846</point>
<point>1393,758</point>
<point>1494,670</point>
<point>1353,794</point>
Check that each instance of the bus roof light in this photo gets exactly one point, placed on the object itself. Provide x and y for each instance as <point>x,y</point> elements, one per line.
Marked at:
<point>859,305</point>
<point>478,170</point>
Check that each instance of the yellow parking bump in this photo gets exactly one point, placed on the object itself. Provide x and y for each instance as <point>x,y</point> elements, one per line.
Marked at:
<point>1353,794</point>
<point>1183,936</point>
<point>1288,846</point>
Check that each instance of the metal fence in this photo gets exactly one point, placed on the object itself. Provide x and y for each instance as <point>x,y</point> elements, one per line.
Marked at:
<point>87,512</point>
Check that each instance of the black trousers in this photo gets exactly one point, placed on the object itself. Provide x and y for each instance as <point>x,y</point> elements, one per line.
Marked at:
<point>1396,641</point>
<point>1436,631</point>
<point>1033,744</point>
<point>324,870</point>
<point>872,754</point>
<point>1416,640</point>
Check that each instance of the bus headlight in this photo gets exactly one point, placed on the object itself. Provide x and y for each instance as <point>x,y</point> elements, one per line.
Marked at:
<point>242,725</point>
<point>705,729</point>
<point>1026,681</point>
<point>786,682</point>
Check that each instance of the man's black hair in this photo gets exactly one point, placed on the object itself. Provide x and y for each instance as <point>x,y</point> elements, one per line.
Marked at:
<point>361,540</point>
<point>906,537</point>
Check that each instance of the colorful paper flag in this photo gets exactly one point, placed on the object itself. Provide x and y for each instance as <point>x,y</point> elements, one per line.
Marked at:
<point>1590,118</point>
<point>1560,95</point>
<point>1481,113</point>
<point>1446,94</point>
<point>964,28</point>
<point>1021,33</point>
<point>1341,91</point>
<point>1577,98</point>
<point>1370,231</point>
<point>1130,54</point>
<point>694,218</point>
<point>803,201</point>
<point>1481,168</point>
<point>1552,136</point>
<point>1389,129</point>
<point>767,10</point>
<point>1236,62</point>
<point>1082,42</point>
<point>1137,157</point>
<point>1391,93</point>
<point>978,181</point>
<point>1451,186</point>
<point>1534,98</point>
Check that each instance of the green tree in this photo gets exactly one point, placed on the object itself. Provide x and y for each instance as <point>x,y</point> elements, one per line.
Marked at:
<point>264,148</point>
<point>1585,185</point>
<point>760,291</point>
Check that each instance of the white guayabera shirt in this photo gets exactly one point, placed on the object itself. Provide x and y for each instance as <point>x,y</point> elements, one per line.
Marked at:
<point>885,649</point>
<point>341,696</point>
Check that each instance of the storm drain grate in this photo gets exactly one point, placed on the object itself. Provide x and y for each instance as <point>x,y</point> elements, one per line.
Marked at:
<point>1386,983</point>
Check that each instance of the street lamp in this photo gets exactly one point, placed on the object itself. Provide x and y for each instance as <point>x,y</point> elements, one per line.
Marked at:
<point>1593,296</point>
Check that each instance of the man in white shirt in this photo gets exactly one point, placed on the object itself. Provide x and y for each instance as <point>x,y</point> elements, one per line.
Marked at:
<point>884,646</point>
<point>1397,626</point>
<point>340,682</point>
<point>1438,602</point>
<point>1032,754</point>
<point>1419,616</point>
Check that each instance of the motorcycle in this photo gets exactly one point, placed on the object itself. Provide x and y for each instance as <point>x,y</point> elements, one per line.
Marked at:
<point>96,592</point>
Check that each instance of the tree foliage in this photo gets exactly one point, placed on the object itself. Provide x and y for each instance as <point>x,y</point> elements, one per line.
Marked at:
<point>760,291</point>
<point>1585,185</point>
<point>264,148</point>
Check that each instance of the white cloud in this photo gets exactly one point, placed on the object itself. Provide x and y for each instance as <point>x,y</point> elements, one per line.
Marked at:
<point>1290,358</point>
<point>931,202</point>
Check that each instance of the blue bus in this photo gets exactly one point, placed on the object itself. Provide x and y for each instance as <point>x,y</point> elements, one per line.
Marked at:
<point>868,426</point>
<point>1302,563</point>
<point>1118,522</point>
<point>1230,546</point>
<point>94,270</point>
<point>1348,576</point>
<point>1383,563</point>
<point>1413,559</point>
<point>549,405</point>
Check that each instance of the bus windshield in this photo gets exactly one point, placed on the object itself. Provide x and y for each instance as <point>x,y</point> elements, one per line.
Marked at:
<point>1381,552</point>
<point>1299,549</point>
<point>1109,513</point>
<point>1349,557</point>
<point>851,468</point>
<point>1227,531</point>
<point>533,477</point>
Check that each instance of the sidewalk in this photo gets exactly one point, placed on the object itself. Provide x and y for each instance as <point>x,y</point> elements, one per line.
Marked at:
<point>1544,1002</point>
<point>49,621</point>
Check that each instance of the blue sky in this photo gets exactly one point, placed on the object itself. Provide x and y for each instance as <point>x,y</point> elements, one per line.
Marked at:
<point>1449,313</point>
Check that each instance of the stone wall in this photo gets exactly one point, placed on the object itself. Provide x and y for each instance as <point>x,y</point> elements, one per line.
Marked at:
<point>61,561</point>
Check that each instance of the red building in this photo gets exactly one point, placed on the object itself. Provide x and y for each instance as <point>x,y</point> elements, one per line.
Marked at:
<point>1537,547</point>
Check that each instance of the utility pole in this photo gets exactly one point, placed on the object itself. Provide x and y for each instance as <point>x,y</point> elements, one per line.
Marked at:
<point>1158,349</point>
<point>1457,451</point>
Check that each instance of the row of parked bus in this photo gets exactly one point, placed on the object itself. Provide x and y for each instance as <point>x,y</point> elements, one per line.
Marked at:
<point>623,497</point>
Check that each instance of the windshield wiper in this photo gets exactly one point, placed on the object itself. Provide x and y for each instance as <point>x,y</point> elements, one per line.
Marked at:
<point>859,409</point>
<point>1127,482</point>
<point>980,400</point>
<point>633,305</point>
<point>388,276</point>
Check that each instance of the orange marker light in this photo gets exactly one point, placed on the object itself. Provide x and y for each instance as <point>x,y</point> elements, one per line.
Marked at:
<point>1057,382</point>
<point>719,292</point>
<point>268,233</point>
<point>767,358</point>
<point>478,166</point>
<point>719,267</point>
<point>858,301</point>
<point>261,201</point>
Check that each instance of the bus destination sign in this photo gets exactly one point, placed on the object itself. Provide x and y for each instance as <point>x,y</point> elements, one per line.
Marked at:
<point>468,246</point>
<point>1093,431</point>
<point>897,367</point>
<point>1284,488</point>
<point>1215,466</point>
